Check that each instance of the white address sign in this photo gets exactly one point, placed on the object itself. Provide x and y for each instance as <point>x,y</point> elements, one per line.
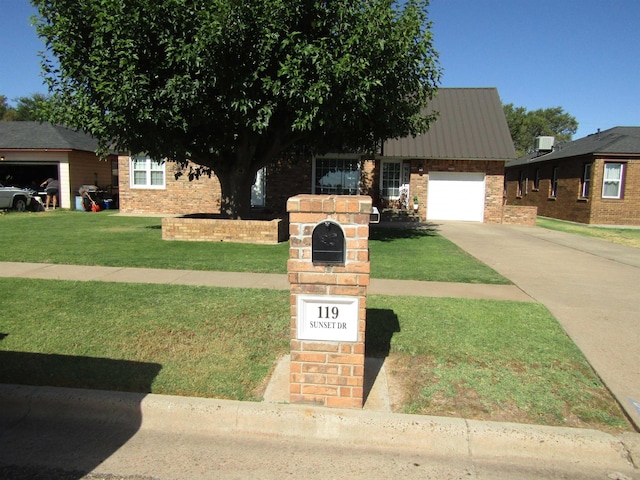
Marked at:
<point>327,318</point>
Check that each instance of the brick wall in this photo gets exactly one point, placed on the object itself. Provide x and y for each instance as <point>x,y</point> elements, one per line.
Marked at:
<point>622,211</point>
<point>322,372</point>
<point>285,179</point>
<point>179,197</point>
<point>292,177</point>
<point>519,215</point>
<point>568,203</point>
<point>223,230</point>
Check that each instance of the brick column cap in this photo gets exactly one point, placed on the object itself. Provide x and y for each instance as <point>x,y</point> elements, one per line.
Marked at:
<point>309,203</point>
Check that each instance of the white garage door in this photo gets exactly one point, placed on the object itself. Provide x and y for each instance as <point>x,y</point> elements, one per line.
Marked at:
<point>455,196</point>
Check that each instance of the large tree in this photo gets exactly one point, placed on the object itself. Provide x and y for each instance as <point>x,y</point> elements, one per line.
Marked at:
<point>231,85</point>
<point>4,107</point>
<point>525,126</point>
<point>27,108</point>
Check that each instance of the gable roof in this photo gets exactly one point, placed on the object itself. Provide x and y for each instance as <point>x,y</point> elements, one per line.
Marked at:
<point>471,126</point>
<point>41,136</point>
<point>614,141</point>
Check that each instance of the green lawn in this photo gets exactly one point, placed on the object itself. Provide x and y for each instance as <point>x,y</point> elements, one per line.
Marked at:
<point>209,342</point>
<point>468,358</point>
<point>493,360</point>
<point>623,236</point>
<point>70,237</point>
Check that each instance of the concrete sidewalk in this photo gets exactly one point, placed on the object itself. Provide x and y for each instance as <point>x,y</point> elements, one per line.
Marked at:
<point>250,280</point>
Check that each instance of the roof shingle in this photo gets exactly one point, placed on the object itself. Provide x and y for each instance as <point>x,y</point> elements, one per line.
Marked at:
<point>614,141</point>
<point>37,136</point>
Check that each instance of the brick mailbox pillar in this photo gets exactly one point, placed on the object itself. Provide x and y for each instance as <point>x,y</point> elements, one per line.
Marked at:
<point>328,271</point>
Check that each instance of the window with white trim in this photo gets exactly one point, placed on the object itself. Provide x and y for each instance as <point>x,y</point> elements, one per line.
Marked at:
<point>612,183</point>
<point>147,173</point>
<point>391,179</point>
<point>336,176</point>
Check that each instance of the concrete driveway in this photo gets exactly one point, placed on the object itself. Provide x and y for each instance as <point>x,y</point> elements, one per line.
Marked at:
<point>591,286</point>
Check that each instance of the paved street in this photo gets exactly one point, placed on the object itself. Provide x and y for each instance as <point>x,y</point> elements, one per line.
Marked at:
<point>46,430</point>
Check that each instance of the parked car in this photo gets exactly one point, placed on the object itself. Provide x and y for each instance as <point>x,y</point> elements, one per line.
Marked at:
<point>14,198</point>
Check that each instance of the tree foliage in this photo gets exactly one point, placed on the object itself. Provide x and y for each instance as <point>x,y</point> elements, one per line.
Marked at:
<point>31,108</point>
<point>4,106</point>
<point>526,126</point>
<point>231,85</point>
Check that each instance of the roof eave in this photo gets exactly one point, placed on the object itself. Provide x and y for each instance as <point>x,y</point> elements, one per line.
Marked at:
<point>3,149</point>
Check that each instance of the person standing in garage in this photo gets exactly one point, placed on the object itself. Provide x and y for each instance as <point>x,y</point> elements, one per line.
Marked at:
<point>51,186</point>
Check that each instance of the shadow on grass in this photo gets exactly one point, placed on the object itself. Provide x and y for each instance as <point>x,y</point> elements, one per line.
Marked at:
<point>381,325</point>
<point>76,372</point>
<point>389,232</point>
<point>67,432</point>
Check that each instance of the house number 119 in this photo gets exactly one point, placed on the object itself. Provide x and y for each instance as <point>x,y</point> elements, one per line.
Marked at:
<point>326,312</point>
<point>327,318</point>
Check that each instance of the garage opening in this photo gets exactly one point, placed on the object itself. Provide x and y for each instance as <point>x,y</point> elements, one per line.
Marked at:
<point>27,175</point>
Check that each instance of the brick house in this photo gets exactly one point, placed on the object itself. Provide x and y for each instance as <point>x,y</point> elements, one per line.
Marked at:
<point>592,180</point>
<point>455,170</point>
<point>31,152</point>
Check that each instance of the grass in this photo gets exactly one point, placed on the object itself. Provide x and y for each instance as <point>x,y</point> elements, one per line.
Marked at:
<point>194,341</point>
<point>623,236</point>
<point>492,360</point>
<point>69,237</point>
<point>392,252</point>
<point>504,361</point>
<point>468,358</point>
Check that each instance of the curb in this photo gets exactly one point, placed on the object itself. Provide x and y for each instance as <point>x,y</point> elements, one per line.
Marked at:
<point>439,436</point>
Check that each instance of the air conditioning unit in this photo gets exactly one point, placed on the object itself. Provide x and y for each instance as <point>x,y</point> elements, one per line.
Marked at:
<point>544,144</point>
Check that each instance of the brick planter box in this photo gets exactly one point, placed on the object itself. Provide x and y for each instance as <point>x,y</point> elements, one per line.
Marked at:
<point>519,215</point>
<point>224,230</point>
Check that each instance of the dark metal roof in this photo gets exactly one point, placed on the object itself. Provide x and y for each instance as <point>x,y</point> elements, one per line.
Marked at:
<point>614,141</point>
<point>43,136</point>
<point>471,126</point>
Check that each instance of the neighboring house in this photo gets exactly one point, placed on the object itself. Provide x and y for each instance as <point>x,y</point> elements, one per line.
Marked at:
<point>31,152</point>
<point>455,170</point>
<point>592,180</point>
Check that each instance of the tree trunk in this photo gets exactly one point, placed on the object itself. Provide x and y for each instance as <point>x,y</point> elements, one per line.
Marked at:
<point>236,184</point>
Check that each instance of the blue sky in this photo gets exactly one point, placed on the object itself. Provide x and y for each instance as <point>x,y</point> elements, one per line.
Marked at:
<point>581,55</point>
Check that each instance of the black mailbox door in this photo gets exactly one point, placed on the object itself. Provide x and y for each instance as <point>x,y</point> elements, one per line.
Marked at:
<point>327,244</point>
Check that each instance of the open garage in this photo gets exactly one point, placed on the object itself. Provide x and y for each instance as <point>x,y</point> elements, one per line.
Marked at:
<point>27,174</point>
<point>31,152</point>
